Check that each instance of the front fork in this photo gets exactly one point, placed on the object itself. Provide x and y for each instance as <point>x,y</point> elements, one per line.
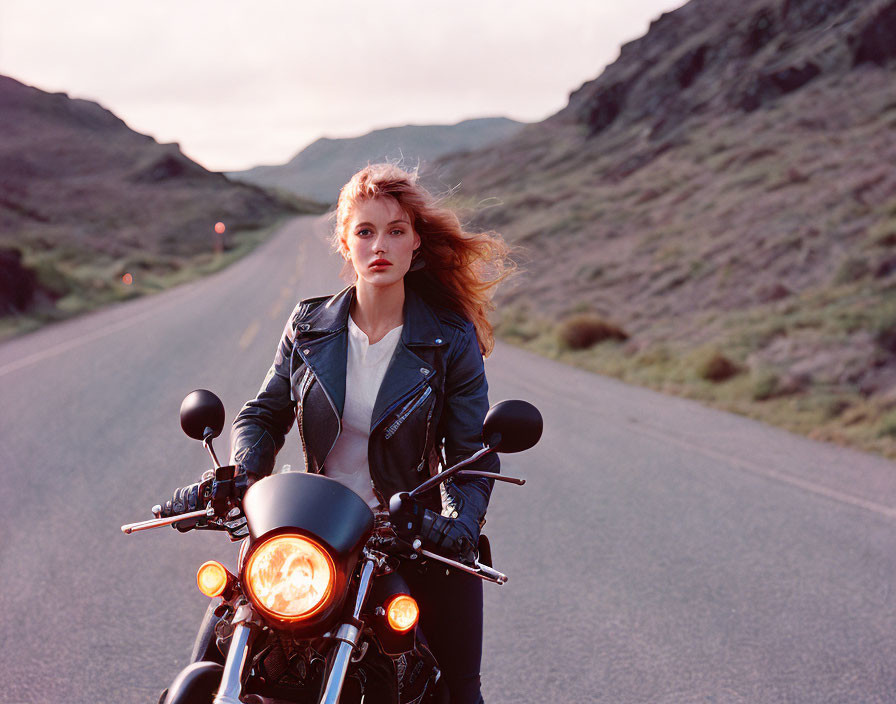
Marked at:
<point>240,644</point>
<point>245,627</point>
<point>348,635</point>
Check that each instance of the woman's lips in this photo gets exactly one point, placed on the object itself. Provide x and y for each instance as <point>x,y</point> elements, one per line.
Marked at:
<point>380,264</point>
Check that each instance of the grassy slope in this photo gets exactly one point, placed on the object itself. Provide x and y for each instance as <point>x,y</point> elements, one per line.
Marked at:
<point>85,283</point>
<point>766,238</point>
<point>85,200</point>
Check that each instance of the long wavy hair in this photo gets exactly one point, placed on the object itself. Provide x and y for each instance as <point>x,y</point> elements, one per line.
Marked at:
<point>460,269</point>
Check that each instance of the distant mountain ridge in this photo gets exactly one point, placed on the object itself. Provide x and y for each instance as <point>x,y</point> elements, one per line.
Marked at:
<point>84,199</point>
<point>727,184</point>
<point>319,170</point>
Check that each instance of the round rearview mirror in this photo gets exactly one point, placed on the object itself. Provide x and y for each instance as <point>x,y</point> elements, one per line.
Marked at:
<point>512,426</point>
<point>201,411</point>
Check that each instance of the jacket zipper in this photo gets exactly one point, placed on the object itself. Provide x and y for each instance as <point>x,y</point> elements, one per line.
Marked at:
<point>425,439</point>
<point>374,426</point>
<point>303,389</point>
<point>412,406</point>
<point>391,409</point>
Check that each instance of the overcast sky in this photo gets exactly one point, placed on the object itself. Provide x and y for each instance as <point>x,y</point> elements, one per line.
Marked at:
<point>244,83</point>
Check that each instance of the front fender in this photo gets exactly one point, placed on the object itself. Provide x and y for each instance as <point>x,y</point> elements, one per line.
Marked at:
<point>196,683</point>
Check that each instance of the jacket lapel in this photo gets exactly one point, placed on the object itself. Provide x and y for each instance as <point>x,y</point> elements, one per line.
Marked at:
<point>324,348</point>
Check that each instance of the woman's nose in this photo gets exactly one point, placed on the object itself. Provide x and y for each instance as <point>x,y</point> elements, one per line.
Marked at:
<point>379,243</point>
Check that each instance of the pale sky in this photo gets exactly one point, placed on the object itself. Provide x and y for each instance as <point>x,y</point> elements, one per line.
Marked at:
<point>241,83</point>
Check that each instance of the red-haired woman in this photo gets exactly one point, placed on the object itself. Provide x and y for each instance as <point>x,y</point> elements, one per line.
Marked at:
<point>386,376</point>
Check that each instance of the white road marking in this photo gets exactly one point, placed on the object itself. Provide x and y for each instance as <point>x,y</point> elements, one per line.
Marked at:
<point>742,464</point>
<point>70,344</point>
<point>751,467</point>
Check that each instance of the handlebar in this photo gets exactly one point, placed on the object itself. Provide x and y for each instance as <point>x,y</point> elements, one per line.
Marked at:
<point>224,494</point>
<point>129,528</point>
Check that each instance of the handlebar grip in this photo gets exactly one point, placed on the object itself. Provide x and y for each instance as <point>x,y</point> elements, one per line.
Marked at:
<point>493,574</point>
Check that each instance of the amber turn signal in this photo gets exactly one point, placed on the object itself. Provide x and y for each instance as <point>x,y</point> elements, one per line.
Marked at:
<point>402,613</point>
<point>212,578</point>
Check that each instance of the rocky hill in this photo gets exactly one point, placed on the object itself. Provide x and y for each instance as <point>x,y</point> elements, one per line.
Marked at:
<point>84,200</point>
<point>323,167</point>
<point>724,193</point>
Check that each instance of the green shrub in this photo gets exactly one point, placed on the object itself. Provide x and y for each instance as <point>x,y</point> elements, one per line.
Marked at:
<point>887,426</point>
<point>765,385</point>
<point>52,279</point>
<point>582,331</point>
<point>833,407</point>
<point>714,366</point>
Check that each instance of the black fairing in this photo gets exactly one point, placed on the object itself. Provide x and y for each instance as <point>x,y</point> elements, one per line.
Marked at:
<point>318,505</point>
<point>321,508</point>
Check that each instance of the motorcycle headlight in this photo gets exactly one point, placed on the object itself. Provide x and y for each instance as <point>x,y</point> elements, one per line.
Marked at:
<point>289,577</point>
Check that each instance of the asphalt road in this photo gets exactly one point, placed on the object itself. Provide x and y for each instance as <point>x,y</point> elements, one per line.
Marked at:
<point>661,552</point>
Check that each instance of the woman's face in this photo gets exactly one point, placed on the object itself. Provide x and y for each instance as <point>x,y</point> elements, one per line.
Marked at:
<point>380,240</point>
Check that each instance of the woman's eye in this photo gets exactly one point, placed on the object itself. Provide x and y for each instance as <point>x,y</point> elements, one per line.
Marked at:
<point>398,230</point>
<point>363,233</point>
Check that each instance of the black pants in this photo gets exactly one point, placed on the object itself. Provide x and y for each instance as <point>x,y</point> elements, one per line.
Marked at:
<point>451,621</point>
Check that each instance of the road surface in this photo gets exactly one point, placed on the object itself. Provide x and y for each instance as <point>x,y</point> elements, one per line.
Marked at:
<point>660,552</point>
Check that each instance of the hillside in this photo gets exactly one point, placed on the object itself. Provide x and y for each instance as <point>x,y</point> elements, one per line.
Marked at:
<point>724,193</point>
<point>85,200</point>
<point>324,166</point>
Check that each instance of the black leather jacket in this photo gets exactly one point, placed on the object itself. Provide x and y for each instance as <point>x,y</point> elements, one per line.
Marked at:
<point>432,402</point>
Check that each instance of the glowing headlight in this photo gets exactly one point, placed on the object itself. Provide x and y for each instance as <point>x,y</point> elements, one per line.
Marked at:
<point>289,577</point>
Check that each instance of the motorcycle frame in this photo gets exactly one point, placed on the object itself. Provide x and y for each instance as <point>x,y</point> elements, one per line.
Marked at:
<point>247,622</point>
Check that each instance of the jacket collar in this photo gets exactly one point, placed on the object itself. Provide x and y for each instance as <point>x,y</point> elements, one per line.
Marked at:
<point>325,350</point>
<point>421,326</point>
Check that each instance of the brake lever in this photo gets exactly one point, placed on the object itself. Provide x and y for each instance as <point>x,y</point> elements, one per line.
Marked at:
<point>490,475</point>
<point>482,571</point>
<point>129,528</point>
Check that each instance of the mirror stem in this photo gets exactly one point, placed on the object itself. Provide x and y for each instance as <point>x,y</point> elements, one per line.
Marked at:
<point>207,444</point>
<point>448,473</point>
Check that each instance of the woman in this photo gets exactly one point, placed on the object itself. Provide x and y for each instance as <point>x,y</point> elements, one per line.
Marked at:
<point>386,376</point>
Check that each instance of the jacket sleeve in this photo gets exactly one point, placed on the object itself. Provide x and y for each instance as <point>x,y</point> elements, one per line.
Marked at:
<point>466,403</point>
<point>260,428</point>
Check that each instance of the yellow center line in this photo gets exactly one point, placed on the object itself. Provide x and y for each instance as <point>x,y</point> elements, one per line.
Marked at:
<point>285,294</point>
<point>249,335</point>
<point>275,311</point>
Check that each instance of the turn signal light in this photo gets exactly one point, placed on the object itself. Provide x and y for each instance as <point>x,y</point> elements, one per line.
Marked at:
<point>212,578</point>
<point>402,613</point>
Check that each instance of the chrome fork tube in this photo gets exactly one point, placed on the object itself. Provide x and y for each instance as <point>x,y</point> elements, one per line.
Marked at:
<point>231,679</point>
<point>348,635</point>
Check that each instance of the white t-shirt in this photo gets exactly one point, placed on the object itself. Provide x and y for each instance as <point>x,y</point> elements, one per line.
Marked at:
<point>365,368</point>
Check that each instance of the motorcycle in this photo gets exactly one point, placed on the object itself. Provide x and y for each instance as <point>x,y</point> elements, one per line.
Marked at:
<point>317,611</point>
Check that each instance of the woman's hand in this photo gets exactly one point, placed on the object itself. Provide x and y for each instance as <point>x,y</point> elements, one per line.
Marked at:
<point>192,497</point>
<point>450,536</point>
